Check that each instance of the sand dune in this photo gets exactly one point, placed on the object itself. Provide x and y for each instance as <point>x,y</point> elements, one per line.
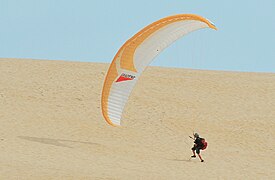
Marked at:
<point>51,125</point>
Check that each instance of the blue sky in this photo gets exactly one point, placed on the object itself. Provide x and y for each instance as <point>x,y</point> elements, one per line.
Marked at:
<point>94,30</point>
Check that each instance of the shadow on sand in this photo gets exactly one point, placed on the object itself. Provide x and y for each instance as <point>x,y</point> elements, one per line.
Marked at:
<point>55,142</point>
<point>186,160</point>
<point>189,160</point>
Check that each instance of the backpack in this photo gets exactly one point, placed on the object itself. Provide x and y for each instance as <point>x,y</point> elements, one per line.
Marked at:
<point>204,144</point>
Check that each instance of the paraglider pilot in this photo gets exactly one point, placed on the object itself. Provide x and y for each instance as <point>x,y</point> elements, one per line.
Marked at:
<point>198,145</point>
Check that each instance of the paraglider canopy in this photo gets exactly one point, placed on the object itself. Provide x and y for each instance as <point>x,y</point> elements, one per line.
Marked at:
<point>137,53</point>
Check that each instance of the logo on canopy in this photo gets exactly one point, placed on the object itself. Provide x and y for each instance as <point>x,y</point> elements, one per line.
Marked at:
<point>125,77</point>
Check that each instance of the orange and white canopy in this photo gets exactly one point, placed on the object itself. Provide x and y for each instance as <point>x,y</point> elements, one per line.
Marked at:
<point>137,53</point>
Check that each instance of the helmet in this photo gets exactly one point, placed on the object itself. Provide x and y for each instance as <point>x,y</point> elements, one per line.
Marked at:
<point>196,135</point>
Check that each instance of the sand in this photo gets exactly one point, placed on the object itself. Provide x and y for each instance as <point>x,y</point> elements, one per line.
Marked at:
<point>51,126</point>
